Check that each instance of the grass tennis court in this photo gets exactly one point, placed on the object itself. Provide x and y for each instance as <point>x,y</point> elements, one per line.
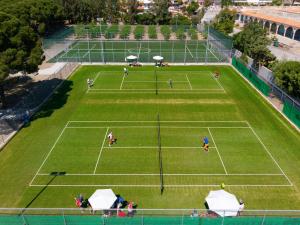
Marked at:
<point>116,51</point>
<point>253,150</point>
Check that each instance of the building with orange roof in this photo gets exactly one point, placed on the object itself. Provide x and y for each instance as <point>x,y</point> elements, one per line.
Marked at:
<point>277,21</point>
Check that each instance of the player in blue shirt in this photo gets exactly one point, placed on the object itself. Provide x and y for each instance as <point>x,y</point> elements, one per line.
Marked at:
<point>205,143</point>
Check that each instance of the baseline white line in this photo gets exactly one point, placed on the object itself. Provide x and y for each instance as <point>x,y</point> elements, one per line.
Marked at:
<point>152,82</point>
<point>157,174</point>
<point>178,89</point>
<point>103,142</point>
<point>96,127</point>
<point>162,92</point>
<point>212,138</point>
<point>189,81</point>
<point>218,82</point>
<point>269,153</point>
<point>163,121</point>
<point>122,82</point>
<point>157,185</point>
<point>47,156</point>
<point>141,147</point>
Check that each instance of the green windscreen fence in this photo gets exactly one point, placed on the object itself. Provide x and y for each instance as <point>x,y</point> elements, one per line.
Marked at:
<point>292,112</point>
<point>139,220</point>
<point>247,73</point>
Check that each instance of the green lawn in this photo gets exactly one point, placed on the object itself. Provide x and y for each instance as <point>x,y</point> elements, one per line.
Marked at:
<point>253,149</point>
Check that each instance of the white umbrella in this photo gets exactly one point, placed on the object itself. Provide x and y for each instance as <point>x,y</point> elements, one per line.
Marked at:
<point>158,58</point>
<point>131,57</point>
<point>102,199</point>
<point>222,203</point>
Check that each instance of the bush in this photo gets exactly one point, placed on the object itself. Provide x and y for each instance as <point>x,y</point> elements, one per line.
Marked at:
<point>193,33</point>
<point>145,18</point>
<point>139,32</point>
<point>124,33</point>
<point>152,32</point>
<point>166,31</point>
<point>287,75</point>
<point>112,31</point>
<point>180,34</point>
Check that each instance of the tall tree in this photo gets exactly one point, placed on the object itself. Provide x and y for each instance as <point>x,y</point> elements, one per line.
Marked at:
<point>20,48</point>
<point>226,3</point>
<point>224,21</point>
<point>253,41</point>
<point>160,9</point>
<point>287,76</point>
<point>192,8</point>
<point>132,10</point>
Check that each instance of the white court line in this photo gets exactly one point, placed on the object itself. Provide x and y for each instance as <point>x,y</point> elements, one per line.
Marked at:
<point>177,89</point>
<point>103,142</point>
<point>189,81</point>
<point>133,81</point>
<point>189,51</point>
<point>162,92</point>
<point>163,121</point>
<point>98,127</point>
<point>97,76</point>
<point>157,174</point>
<point>269,153</point>
<point>153,147</point>
<point>212,138</point>
<point>85,54</point>
<point>47,156</point>
<point>122,82</point>
<point>213,54</point>
<point>218,82</point>
<point>158,185</point>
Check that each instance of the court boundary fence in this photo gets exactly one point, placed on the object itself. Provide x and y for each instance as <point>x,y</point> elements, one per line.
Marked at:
<point>291,107</point>
<point>65,216</point>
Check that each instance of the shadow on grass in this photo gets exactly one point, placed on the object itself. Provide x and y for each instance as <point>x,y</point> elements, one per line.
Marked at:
<point>31,97</point>
<point>58,99</point>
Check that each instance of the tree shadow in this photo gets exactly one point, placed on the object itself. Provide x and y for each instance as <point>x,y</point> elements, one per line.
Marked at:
<point>58,99</point>
<point>33,101</point>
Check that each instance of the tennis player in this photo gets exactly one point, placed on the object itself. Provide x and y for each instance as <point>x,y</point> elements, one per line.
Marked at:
<point>205,143</point>
<point>111,139</point>
<point>170,83</point>
<point>125,71</point>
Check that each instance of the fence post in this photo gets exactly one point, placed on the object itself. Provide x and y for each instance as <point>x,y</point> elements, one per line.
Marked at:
<point>172,51</point>
<point>64,218</point>
<point>23,218</point>
<point>185,52</point>
<point>223,218</point>
<point>206,49</point>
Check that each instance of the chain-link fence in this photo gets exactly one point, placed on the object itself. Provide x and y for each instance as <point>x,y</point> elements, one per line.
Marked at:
<point>90,45</point>
<point>13,118</point>
<point>267,86</point>
<point>146,217</point>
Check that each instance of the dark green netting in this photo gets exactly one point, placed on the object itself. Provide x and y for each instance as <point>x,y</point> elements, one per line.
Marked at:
<point>292,112</point>
<point>258,83</point>
<point>142,220</point>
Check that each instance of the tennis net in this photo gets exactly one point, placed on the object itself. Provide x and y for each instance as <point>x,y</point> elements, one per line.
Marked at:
<point>156,83</point>
<point>160,155</point>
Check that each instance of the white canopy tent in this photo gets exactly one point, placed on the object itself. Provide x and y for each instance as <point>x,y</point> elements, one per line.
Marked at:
<point>223,203</point>
<point>102,199</point>
<point>131,58</point>
<point>158,58</point>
